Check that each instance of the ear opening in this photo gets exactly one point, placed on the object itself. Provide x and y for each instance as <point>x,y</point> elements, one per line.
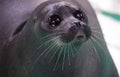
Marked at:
<point>19,28</point>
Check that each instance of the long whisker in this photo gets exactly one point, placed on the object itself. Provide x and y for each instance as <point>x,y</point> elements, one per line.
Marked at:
<point>98,42</point>
<point>43,53</point>
<point>103,48</point>
<point>60,52</point>
<point>97,37</point>
<point>73,49</point>
<point>53,53</point>
<point>98,33</point>
<point>68,46</point>
<point>95,48</point>
<point>91,40</point>
<point>52,47</point>
<point>46,42</point>
<point>63,58</point>
<point>41,39</point>
<point>95,28</point>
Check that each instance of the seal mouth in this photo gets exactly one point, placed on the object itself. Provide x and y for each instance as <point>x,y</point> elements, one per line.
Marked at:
<point>81,37</point>
<point>67,38</point>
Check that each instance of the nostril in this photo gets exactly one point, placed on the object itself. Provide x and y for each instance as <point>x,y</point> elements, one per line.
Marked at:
<point>80,37</point>
<point>77,24</point>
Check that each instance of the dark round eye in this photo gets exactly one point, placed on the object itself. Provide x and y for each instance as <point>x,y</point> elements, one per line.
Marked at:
<point>54,20</point>
<point>80,15</point>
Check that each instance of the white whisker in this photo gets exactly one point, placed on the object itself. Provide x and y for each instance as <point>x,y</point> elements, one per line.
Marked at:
<point>43,53</point>
<point>98,43</point>
<point>54,53</point>
<point>58,58</point>
<point>64,53</point>
<point>47,42</point>
<point>68,46</point>
<point>94,48</point>
<point>73,49</point>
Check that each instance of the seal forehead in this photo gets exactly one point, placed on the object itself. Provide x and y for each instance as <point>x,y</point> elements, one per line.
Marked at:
<point>53,6</point>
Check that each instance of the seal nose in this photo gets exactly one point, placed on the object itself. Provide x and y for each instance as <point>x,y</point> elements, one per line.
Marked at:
<point>77,30</point>
<point>76,26</point>
<point>72,31</point>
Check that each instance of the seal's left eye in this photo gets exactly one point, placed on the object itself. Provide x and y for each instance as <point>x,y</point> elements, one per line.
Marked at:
<point>54,20</point>
<point>80,15</point>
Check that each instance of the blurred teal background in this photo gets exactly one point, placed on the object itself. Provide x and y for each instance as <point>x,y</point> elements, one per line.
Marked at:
<point>108,13</point>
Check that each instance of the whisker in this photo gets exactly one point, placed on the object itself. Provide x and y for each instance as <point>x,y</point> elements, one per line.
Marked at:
<point>68,46</point>
<point>94,49</point>
<point>52,47</point>
<point>53,53</point>
<point>46,42</point>
<point>49,35</point>
<point>97,32</point>
<point>43,53</point>
<point>63,57</point>
<point>73,49</point>
<point>98,42</point>
<point>97,37</point>
<point>95,28</point>
<point>60,52</point>
<point>105,51</point>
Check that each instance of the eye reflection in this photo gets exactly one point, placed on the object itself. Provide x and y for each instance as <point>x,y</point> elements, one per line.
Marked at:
<point>54,20</point>
<point>80,15</point>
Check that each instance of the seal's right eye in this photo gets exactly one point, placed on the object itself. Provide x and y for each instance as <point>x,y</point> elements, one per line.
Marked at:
<point>54,20</point>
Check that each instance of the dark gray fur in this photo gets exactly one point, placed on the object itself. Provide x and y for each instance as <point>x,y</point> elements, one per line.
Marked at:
<point>17,53</point>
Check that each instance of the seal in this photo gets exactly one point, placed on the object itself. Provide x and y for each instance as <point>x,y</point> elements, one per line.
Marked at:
<point>60,39</point>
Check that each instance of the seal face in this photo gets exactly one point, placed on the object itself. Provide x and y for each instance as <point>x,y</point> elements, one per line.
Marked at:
<point>67,21</point>
<point>60,39</point>
<point>61,28</point>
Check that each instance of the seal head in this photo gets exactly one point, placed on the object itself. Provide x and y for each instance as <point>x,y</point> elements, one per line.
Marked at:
<point>66,21</point>
<point>58,40</point>
<point>61,28</point>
